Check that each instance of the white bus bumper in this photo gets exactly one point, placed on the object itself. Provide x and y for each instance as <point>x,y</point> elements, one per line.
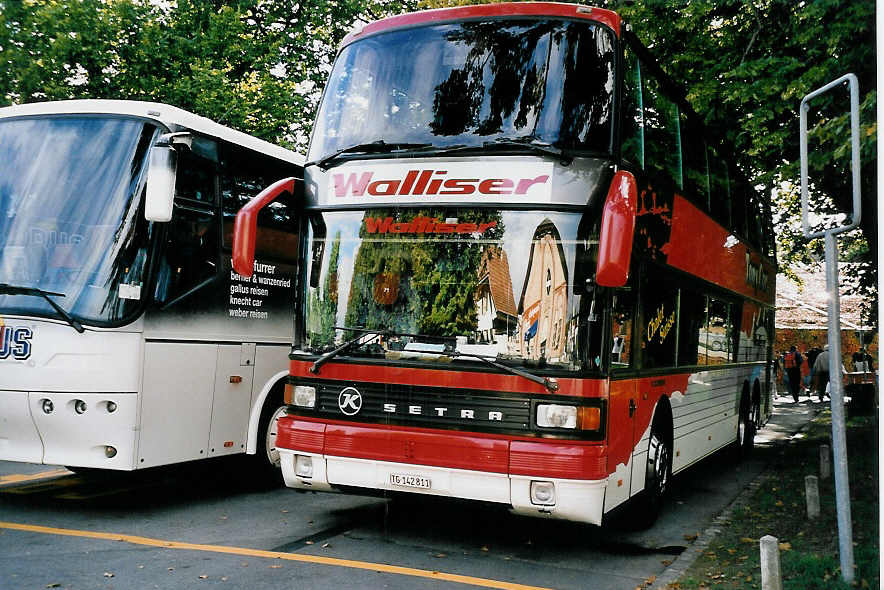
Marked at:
<point>575,500</point>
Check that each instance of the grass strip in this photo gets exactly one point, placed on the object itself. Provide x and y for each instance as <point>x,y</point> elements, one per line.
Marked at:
<point>808,549</point>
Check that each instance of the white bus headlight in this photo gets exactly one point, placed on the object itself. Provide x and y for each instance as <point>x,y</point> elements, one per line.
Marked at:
<point>304,396</point>
<point>556,416</point>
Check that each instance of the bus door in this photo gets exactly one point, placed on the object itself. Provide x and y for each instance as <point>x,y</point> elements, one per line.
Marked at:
<point>622,398</point>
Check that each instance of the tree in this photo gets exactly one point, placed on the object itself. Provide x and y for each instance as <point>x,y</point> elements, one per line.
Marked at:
<point>254,65</point>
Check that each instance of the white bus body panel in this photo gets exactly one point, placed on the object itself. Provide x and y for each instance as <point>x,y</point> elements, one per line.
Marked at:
<point>96,367</point>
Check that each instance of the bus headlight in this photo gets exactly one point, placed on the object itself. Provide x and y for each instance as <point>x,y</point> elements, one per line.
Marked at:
<point>556,416</point>
<point>304,396</point>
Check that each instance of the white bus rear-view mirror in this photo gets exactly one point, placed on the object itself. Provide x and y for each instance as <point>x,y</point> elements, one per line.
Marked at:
<point>161,172</point>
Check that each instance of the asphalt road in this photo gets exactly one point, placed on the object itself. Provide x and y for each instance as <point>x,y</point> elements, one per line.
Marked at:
<point>204,524</point>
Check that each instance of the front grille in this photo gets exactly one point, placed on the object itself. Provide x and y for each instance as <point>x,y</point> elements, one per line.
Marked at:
<point>431,407</point>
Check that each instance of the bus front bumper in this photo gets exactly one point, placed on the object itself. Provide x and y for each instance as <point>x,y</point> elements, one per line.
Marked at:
<point>537,491</point>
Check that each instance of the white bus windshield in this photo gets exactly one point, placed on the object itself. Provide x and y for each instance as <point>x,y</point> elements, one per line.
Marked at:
<point>70,190</point>
<point>475,281</point>
<point>467,84</point>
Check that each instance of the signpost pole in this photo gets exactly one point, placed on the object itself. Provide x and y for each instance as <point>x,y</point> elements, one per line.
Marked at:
<point>839,438</point>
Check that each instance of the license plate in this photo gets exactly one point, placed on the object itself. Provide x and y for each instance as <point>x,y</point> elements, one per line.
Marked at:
<point>410,481</point>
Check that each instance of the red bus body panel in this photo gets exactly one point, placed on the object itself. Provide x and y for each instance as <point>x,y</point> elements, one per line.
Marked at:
<point>537,9</point>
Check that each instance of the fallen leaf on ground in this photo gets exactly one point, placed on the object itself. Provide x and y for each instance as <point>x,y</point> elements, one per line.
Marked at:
<point>108,575</point>
<point>785,546</point>
<point>275,567</point>
<point>326,545</point>
<point>691,537</point>
<point>747,540</point>
<point>53,585</point>
<point>203,577</point>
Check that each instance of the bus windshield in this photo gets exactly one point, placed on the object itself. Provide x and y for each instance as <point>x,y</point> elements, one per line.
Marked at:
<point>70,216</point>
<point>499,284</point>
<point>470,83</point>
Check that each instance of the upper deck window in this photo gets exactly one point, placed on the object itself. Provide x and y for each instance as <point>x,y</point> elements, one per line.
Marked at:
<point>472,82</point>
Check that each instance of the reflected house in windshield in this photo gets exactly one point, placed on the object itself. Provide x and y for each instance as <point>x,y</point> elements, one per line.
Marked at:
<point>543,306</point>
<point>495,304</point>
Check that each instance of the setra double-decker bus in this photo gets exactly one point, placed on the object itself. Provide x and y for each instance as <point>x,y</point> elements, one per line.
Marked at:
<point>531,277</point>
<point>126,341</point>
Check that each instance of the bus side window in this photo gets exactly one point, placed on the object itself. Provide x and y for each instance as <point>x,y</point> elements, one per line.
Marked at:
<point>692,330</point>
<point>659,328</point>
<point>662,133</point>
<point>622,309</point>
<point>696,174</point>
<point>632,119</point>
<point>190,253</point>
<point>720,340</point>
<point>243,176</point>
<point>190,256</point>
<point>720,192</point>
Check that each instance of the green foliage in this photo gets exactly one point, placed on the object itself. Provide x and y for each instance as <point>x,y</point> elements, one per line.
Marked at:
<point>254,65</point>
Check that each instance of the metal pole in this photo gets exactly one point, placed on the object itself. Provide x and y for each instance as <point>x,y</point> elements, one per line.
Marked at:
<point>839,438</point>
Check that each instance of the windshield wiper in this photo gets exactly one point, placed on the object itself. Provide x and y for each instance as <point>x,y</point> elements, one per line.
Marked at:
<point>372,336</point>
<point>374,147</point>
<point>551,384</point>
<point>530,144</point>
<point>47,295</point>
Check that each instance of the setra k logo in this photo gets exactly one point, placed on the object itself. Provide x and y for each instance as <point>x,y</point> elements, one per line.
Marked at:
<point>350,401</point>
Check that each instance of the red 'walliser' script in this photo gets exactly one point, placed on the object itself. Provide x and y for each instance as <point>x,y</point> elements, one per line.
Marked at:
<point>430,182</point>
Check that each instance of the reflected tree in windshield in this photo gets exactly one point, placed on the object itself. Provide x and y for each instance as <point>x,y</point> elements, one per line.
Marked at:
<point>422,286</point>
<point>468,83</point>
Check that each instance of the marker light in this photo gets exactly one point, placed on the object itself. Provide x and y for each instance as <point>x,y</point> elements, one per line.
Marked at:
<point>47,406</point>
<point>80,406</point>
<point>110,452</point>
<point>556,416</point>
<point>303,466</point>
<point>304,396</point>
<point>111,407</point>
<point>543,493</point>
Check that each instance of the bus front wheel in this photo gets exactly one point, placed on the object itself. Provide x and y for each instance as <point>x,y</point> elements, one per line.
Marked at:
<point>658,476</point>
<point>266,461</point>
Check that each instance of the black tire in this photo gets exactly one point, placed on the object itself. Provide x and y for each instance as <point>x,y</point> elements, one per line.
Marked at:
<point>658,476</point>
<point>747,421</point>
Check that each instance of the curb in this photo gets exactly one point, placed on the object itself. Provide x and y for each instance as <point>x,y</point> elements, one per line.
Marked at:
<point>687,558</point>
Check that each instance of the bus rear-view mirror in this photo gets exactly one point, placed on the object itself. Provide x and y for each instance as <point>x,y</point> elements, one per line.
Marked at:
<point>161,172</point>
<point>245,228</point>
<point>617,231</point>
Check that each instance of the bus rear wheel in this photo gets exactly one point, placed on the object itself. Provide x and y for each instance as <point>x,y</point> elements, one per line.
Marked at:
<point>746,426</point>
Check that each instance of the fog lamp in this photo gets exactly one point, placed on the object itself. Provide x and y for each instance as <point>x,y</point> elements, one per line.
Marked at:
<point>304,396</point>
<point>111,407</point>
<point>543,493</point>
<point>110,452</point>
<point>47,406</point>
<point>80,406</point>
<point>303,466</point>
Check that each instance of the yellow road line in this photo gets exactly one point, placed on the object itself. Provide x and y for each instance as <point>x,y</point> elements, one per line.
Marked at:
<point>18,478</point>
<point>243,551</point>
